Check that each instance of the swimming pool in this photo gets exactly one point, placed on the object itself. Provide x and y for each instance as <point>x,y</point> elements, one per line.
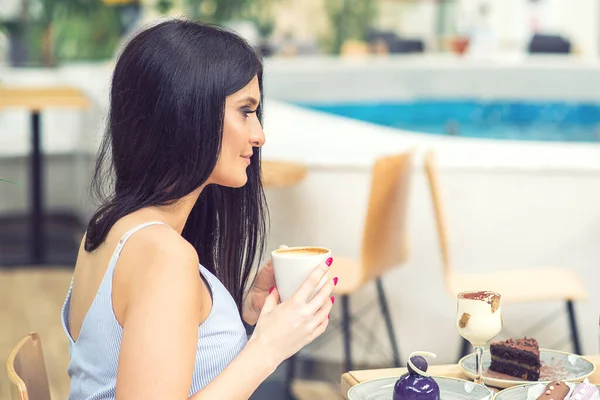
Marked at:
<point>508,120</point>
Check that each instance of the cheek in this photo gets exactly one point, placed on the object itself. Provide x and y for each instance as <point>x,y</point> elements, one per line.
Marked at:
<point>233,142</point>
<point>235,136</point>
<point>228,130</point>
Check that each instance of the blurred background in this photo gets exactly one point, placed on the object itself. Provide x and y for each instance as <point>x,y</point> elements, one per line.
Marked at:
<point>505,93</point>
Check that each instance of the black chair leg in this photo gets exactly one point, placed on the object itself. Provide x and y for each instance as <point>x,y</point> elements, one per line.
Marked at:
<point>385,311</point>
<point>346,333</point>
<point>465,348</point>
<point>573,325</point>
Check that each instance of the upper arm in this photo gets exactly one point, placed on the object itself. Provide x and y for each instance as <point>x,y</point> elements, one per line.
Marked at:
<point>160,327</point>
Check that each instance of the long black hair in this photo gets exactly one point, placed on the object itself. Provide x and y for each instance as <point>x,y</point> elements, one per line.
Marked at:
<point>167,104</point>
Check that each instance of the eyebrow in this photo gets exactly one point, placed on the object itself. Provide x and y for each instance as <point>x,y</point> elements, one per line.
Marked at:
<point>252,100</point>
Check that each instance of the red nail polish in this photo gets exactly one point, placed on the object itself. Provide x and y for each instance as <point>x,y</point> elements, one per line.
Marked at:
<point>328,316</point>
<point>271,290</point>
<point>335,281</point>
<point>329,261</point>
<point>332,299</point>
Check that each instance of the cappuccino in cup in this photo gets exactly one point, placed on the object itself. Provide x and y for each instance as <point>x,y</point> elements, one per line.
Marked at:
<point>293,265</point>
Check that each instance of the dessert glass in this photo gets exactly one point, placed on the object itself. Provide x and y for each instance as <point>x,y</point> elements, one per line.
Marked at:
<point>478,320</point>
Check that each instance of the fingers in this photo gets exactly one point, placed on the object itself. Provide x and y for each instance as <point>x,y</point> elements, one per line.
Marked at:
<point>265,278</point>
<point>322,313</point>
<point>325,309</point>
<point>271,301</point>
<point>322,295</point>
<point>310,283</point>
<point>322,327</point>
<point>322,321</point>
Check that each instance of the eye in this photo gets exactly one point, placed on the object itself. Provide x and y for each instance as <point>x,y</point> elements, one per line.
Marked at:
<point>246,111</point>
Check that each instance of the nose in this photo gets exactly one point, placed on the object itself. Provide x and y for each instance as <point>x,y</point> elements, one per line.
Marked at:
<point>257,136</point>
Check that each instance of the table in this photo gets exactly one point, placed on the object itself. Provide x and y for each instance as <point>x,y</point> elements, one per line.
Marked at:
<point>37,99</point>
<point>349,379</point>
<point>281,173</point>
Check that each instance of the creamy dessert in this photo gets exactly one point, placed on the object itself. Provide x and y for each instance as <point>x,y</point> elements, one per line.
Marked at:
<point>478,316</point>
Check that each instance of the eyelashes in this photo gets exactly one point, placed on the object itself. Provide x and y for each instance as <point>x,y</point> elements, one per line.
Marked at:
<point>247,111</point>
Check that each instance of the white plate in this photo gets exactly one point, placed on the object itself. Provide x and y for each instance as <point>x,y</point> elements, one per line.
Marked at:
<point>450,389</point>
<point>519,392</point>
<point>556,366</point>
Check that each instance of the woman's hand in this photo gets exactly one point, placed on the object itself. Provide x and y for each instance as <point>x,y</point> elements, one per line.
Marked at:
<point>255,299</point>
<point>256,296</point>
<point>283,329</point>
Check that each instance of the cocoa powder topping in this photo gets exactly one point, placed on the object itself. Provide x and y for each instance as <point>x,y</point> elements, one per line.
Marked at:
<point>493,299</point>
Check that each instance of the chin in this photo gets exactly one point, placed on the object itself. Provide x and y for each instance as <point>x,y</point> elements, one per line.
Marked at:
<point>235,182</point>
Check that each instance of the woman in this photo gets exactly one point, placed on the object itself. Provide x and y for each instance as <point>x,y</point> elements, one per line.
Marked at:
<point>182,159</point>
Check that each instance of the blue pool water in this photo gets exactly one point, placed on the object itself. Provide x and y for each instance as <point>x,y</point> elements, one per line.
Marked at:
<point>541,121</point>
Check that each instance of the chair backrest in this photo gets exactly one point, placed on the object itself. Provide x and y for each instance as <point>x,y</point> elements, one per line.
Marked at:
<point>385,242</point>
<point>26,370</point>
<point>440,218</point>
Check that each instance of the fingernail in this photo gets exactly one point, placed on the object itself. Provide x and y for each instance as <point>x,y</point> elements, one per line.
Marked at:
<point>270,290</point>
<point>329,261</point>
<point>335,281</point>
<point>332,299</point>
<point>328,316</point>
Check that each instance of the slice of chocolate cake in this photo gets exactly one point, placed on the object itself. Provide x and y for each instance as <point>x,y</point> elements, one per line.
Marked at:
<point>517,357</point>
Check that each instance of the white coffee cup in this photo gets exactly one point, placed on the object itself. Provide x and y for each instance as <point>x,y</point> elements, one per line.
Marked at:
<point>292,265</point>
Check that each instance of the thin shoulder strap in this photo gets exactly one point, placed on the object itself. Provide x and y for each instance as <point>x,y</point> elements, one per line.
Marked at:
<point>133,230</point>
<point>124,239</point>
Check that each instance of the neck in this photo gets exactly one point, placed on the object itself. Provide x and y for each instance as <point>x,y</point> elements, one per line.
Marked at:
<point>175,215</point>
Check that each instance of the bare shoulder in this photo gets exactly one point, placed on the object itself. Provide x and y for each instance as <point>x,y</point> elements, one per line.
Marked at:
<point>159,243</point>
<point>157,250</point>
<point>156,261</point>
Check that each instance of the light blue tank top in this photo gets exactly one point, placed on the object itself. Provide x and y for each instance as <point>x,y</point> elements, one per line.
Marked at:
<point>95,354</point>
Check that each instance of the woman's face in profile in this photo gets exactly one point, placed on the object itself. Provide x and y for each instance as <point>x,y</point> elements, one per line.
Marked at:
<point>242,132</point>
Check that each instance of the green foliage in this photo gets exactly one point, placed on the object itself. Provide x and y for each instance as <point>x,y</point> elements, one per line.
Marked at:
<point>260,12</point>
<point>163,6</point>
<point>348,19</point>
<point>91,33</point>
<point>215,11</point>
<point>58,30</point>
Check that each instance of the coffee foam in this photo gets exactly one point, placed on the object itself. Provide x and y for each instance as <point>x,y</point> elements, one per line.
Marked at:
<point>302,251</point>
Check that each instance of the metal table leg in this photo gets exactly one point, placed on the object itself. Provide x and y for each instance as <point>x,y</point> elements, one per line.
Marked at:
<point>38,250</point>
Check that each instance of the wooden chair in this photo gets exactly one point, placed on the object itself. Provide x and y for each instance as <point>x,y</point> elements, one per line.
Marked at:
<point>26,370</point>
<point>281,174</point>
<point>513,285</point>
<point>384,244</point>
